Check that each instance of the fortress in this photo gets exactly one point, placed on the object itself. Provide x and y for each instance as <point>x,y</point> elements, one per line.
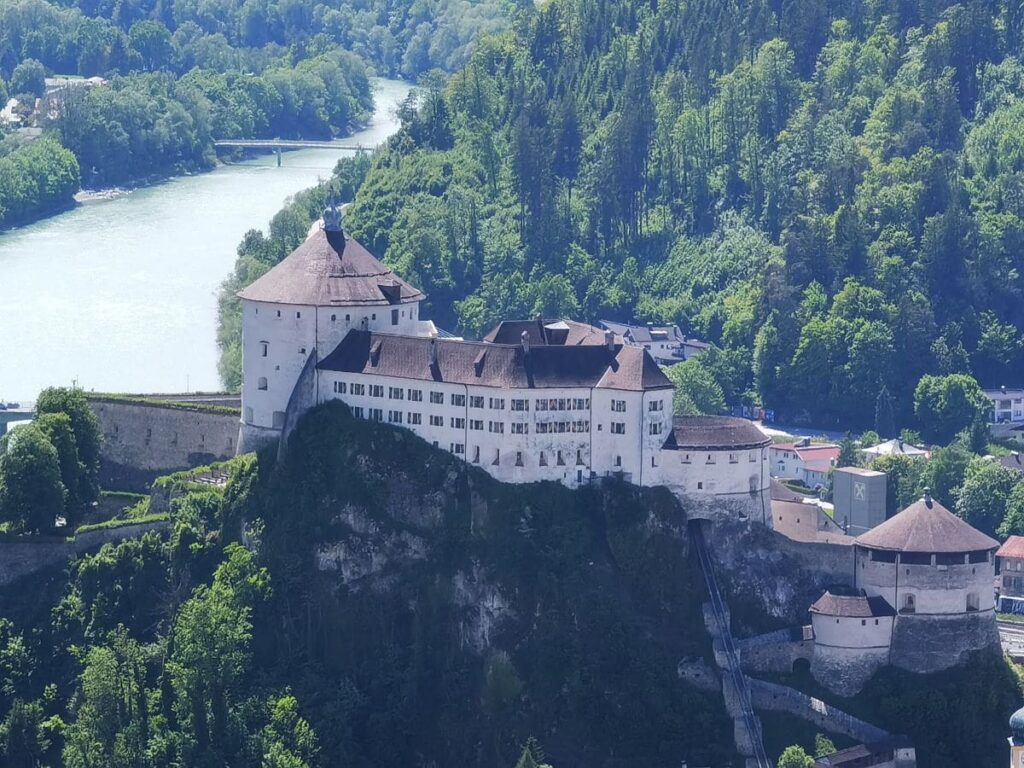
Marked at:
<point>534,401</point>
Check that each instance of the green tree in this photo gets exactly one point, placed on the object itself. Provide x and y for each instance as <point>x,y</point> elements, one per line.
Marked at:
<point>24,741</point>
<point>945,405</point>
<point>795,757</point>
<point>903,481</point>
<point>29,77</point>
<point>86,428</point>
<point>982,499</point>
<point>944,474</point>
<point>57,428</point>
<point>885,417</point>
<point>31,492</point>
<point>823,746</point>
<point>697,391</point>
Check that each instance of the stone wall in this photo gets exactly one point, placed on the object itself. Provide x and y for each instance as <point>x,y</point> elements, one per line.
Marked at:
<point>778,698</point>
<point>145,440</point>
<point>776,651</point>
<point>24,557</point>
<point>769,580</point>
<point>927,644</point>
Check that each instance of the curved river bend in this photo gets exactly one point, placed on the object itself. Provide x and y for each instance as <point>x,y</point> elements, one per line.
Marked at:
<point>120,295</point>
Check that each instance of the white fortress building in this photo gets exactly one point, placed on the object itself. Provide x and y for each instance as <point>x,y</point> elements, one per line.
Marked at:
<point>534,401</point>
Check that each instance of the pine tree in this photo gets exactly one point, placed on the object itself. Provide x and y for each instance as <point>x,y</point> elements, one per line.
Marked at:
<point>885,420</point>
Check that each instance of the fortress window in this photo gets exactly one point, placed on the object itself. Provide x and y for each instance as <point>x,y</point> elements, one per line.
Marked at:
<point>437,421</point>
<point>700,486</point>
<point>477,425</point>
<point>618,461</point>
<point>618,406</point>
<point>541,404</point>
<point>476,401</point>
<point>497,457</point>
<point>753,456</point>
<point>972,602</point>
<point>733,459</point>
<point>520,405</point>
<point>359,389</point>
<point>415,395</point>
<point>278,419</point>
<point>497,403</point>
<point>496,427</point>
<point>298,315</point>
<point>394,417</point>
<point>560,461</point>
<point>334,318</point>
<point>520,429</point>
<point>476,455</point>
<point>376,390</point>
<point>655,428</point>
<point>357,412</point>
<point>909,604</point>
<point>655,405</point>
<point>579,458</point>
<point>981,557</point>
<point>279,313</point>
<point>394,317</point>
<point>302,350</point>
<point>373,316</point>
<point>711,459</point>
<point>458,448</point>
<point>415,418</point>
<point>396,393</point>
<point>883,557</point>
<point>264,348</point>
<point>543,459</point>
<point>459,401</point>
<point>261,383</point>
<point>348,318</point>
<point>686,458</point>
<point>863,622</point>
<point>618,428</point>
<point>519,458</point>
<point>377,414</point>
<point>437,398</point>
<point>340,388</point>
<point>458,423</point>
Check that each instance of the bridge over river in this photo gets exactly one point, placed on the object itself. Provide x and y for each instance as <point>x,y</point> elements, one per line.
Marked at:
<point>279,145</point>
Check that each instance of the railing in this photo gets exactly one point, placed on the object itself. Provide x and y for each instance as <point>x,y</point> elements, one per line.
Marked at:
<point>739,679</point>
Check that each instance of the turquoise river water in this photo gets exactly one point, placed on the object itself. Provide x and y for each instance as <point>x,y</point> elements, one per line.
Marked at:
<point>120,294</point>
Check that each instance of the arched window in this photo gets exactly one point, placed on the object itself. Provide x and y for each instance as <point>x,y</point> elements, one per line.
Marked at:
<point>264,348</point>
<point>261,383</point>
<point>972,602</point>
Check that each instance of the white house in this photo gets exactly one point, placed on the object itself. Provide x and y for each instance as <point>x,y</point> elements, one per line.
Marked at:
<point>807,462</point>
<point>895,447</point>
<point>666,343</point>
<point>538,400</point>
<point>1007,405</point>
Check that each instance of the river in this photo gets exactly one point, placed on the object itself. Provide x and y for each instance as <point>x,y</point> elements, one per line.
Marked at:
<point>120,295</point>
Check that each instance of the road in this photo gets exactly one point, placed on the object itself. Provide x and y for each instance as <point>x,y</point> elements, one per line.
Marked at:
<point>1011,634</point>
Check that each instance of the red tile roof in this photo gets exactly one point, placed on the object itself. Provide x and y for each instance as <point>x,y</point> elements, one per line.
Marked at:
<point>1012,547</point>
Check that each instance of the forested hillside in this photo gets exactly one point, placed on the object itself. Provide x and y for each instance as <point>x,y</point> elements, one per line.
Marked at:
<point>185,73</point>
<point>828,191</point>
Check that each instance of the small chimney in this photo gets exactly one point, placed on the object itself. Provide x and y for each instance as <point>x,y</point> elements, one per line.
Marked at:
<point>650,327</point>
<point>524,339</point>
<point>609,340</point>
<point>927,495</point>
<point>333,229</point>
<point>1003,389</point>
<point>433,353</point>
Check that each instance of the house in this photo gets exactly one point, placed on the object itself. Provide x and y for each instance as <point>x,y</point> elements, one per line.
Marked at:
<point>804,461</point>
<point>666,343</point>
<point>1010,567</point>
<point>895,447</point>
<point>1007,405</point>
<point>895,752</point>
<point>553,333</point>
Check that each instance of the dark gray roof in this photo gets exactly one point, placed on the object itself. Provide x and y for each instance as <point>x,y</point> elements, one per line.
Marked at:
<point>852,606</point>
<point>546,332</point>
<point>331,269</point>
<point>1014,461</point>
<point>715,433</point>
<point>496,365</point>
<point>926,526</point>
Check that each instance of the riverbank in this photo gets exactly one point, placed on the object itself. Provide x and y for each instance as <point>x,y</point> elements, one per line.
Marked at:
<point>120,294</point>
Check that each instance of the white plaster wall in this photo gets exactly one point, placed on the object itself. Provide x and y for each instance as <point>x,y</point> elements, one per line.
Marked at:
<point>334,323</point>
<point>290,334</point>
<point>844,632</point>
<point>936,589</point>
<point>719,473</point>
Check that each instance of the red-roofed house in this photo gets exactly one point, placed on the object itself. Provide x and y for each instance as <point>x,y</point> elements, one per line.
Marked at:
<point>1010,560</point>
<point>805,461</point>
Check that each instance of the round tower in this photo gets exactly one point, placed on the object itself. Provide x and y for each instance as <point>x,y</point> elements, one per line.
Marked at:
<point>937,572</point>
<point>1017,739</point>
<point>299,311</point>
<point>852,632</point>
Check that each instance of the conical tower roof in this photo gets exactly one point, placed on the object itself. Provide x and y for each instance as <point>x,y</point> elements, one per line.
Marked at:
<point>331,269</point>
<point>926,526</point>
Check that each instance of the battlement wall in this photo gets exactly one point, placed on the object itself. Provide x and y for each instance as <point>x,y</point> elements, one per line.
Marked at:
<point>144,439</point>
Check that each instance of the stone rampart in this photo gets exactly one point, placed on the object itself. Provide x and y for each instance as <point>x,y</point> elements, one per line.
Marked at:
<point>931,643</point>
<point>775,651</point>
<point>23,557</point>
<point>778,698</point>
<point>143,440</point>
